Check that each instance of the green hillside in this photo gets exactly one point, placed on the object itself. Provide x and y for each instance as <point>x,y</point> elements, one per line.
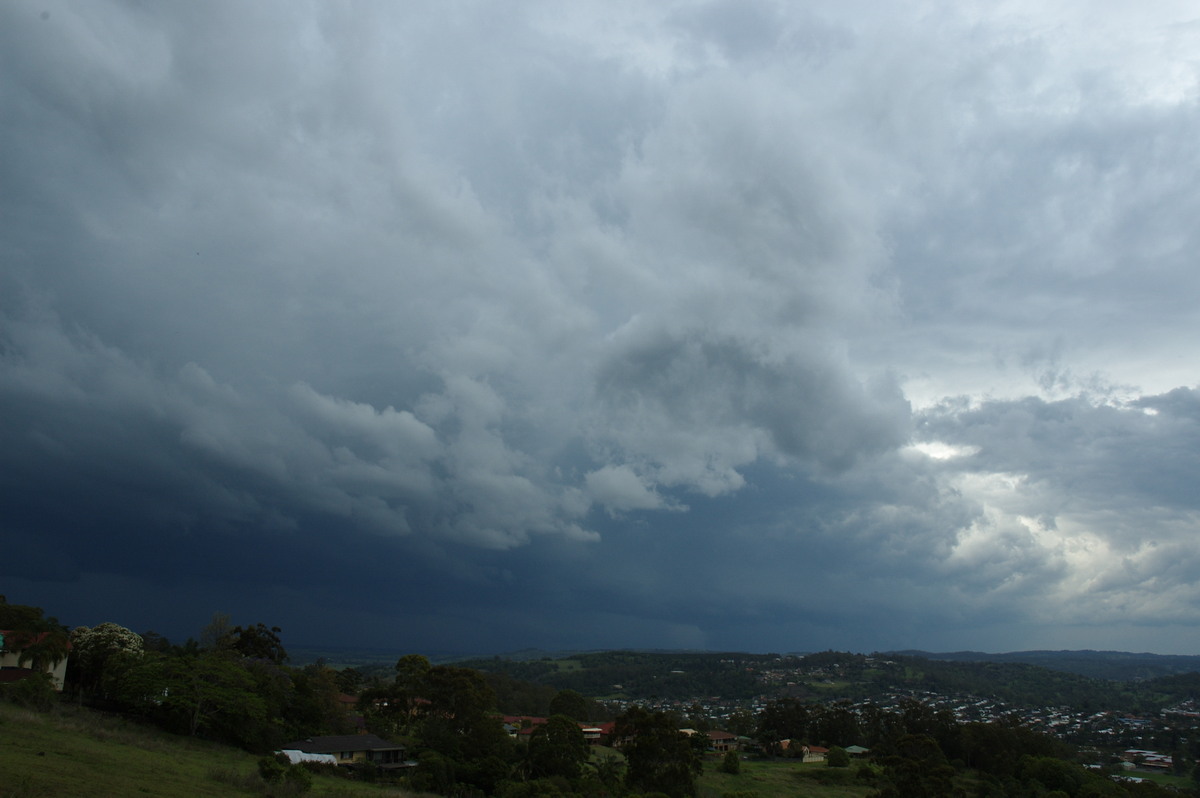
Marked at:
<point>76,752</point>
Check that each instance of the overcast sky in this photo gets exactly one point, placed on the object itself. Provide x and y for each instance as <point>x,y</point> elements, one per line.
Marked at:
<point>763,326</point>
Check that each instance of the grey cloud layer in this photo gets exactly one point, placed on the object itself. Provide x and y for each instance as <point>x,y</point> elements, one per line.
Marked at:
<point>512,292</point>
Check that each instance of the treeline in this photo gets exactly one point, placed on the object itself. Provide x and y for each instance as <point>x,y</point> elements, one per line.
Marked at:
<point>1117,666</point>
<point>916,751</point>
<point>1019,684</point>
<point>640,675</point>
<point>232,686</point>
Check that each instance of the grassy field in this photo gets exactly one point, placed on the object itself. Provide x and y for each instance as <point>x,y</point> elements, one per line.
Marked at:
<point>1165,779</point>
<point>72,752</point>
<point>780,778</point>
<point>830,686</point>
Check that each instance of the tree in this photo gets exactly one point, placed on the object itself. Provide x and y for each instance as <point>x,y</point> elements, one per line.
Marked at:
<point>456,715</point>
<point>918,769</point>
<point>786,719</point>
<point>314,707</point>
<point>1051,773</point>
<point>258,642</point>
<point>349,680</point>
<point>741,722</point>
<point>153,641</point>
<point>557,748</point>
<point>207,696</point>
<point>697,718</point>
<point>448,711</point>
<point>731,764</point>
<point>411,670</point>
<point>215,635</point>
<point>410,685</point>
<point>833,724</point>
<point>660,758</point>
<point>571,704</point>
<point>102,652</point>
<point>608,771</point>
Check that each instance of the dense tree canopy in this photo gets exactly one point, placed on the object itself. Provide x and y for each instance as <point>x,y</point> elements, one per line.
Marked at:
<point>101,654</point>
<point>572,704</point>
<point>557,748</point>
<point>660,758</point>
<point>258,642</point>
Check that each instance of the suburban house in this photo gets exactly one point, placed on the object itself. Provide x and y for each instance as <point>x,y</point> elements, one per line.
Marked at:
<point>598,733</point>
<point>353,749</point>
<point>808,753</point>
<point>815,753</point>
<point>722,741</point>
<point>11,669</point>
<point>522,727</point>
<point>1149,760</point>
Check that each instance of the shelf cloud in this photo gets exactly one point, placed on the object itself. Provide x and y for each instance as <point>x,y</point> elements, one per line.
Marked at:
<point>700,324</point>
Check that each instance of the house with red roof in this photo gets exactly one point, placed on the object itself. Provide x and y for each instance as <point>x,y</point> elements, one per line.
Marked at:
<point>12,669</point>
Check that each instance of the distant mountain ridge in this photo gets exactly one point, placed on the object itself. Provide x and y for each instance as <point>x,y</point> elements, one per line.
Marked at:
<point>1121,666</point>
<point>633,666</point>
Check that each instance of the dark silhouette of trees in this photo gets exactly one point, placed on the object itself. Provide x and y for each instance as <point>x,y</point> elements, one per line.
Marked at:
<point>258,642</point>
<point>917,769</point>
<point>557,748</point>
<point>571,704</point>
<point>660,758</point>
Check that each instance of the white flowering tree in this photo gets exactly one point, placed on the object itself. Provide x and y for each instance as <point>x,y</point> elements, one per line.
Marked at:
<point>100,652</point>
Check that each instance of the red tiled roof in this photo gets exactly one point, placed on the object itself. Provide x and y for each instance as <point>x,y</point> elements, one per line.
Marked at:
<point>39,637</point>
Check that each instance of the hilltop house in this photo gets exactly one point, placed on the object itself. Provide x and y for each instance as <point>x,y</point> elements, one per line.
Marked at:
<point>353,749</point>
<point>11,669</point>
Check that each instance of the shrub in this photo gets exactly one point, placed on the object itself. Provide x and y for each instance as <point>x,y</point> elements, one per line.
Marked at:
<point>271,769</point>
<point>731,764</point>
<point>36,691</point>
<point>298,777</point>
<point>283,780</point>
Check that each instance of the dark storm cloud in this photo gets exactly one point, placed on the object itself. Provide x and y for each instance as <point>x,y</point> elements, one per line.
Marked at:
<point>602,324</point>
<point>692,387</point>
